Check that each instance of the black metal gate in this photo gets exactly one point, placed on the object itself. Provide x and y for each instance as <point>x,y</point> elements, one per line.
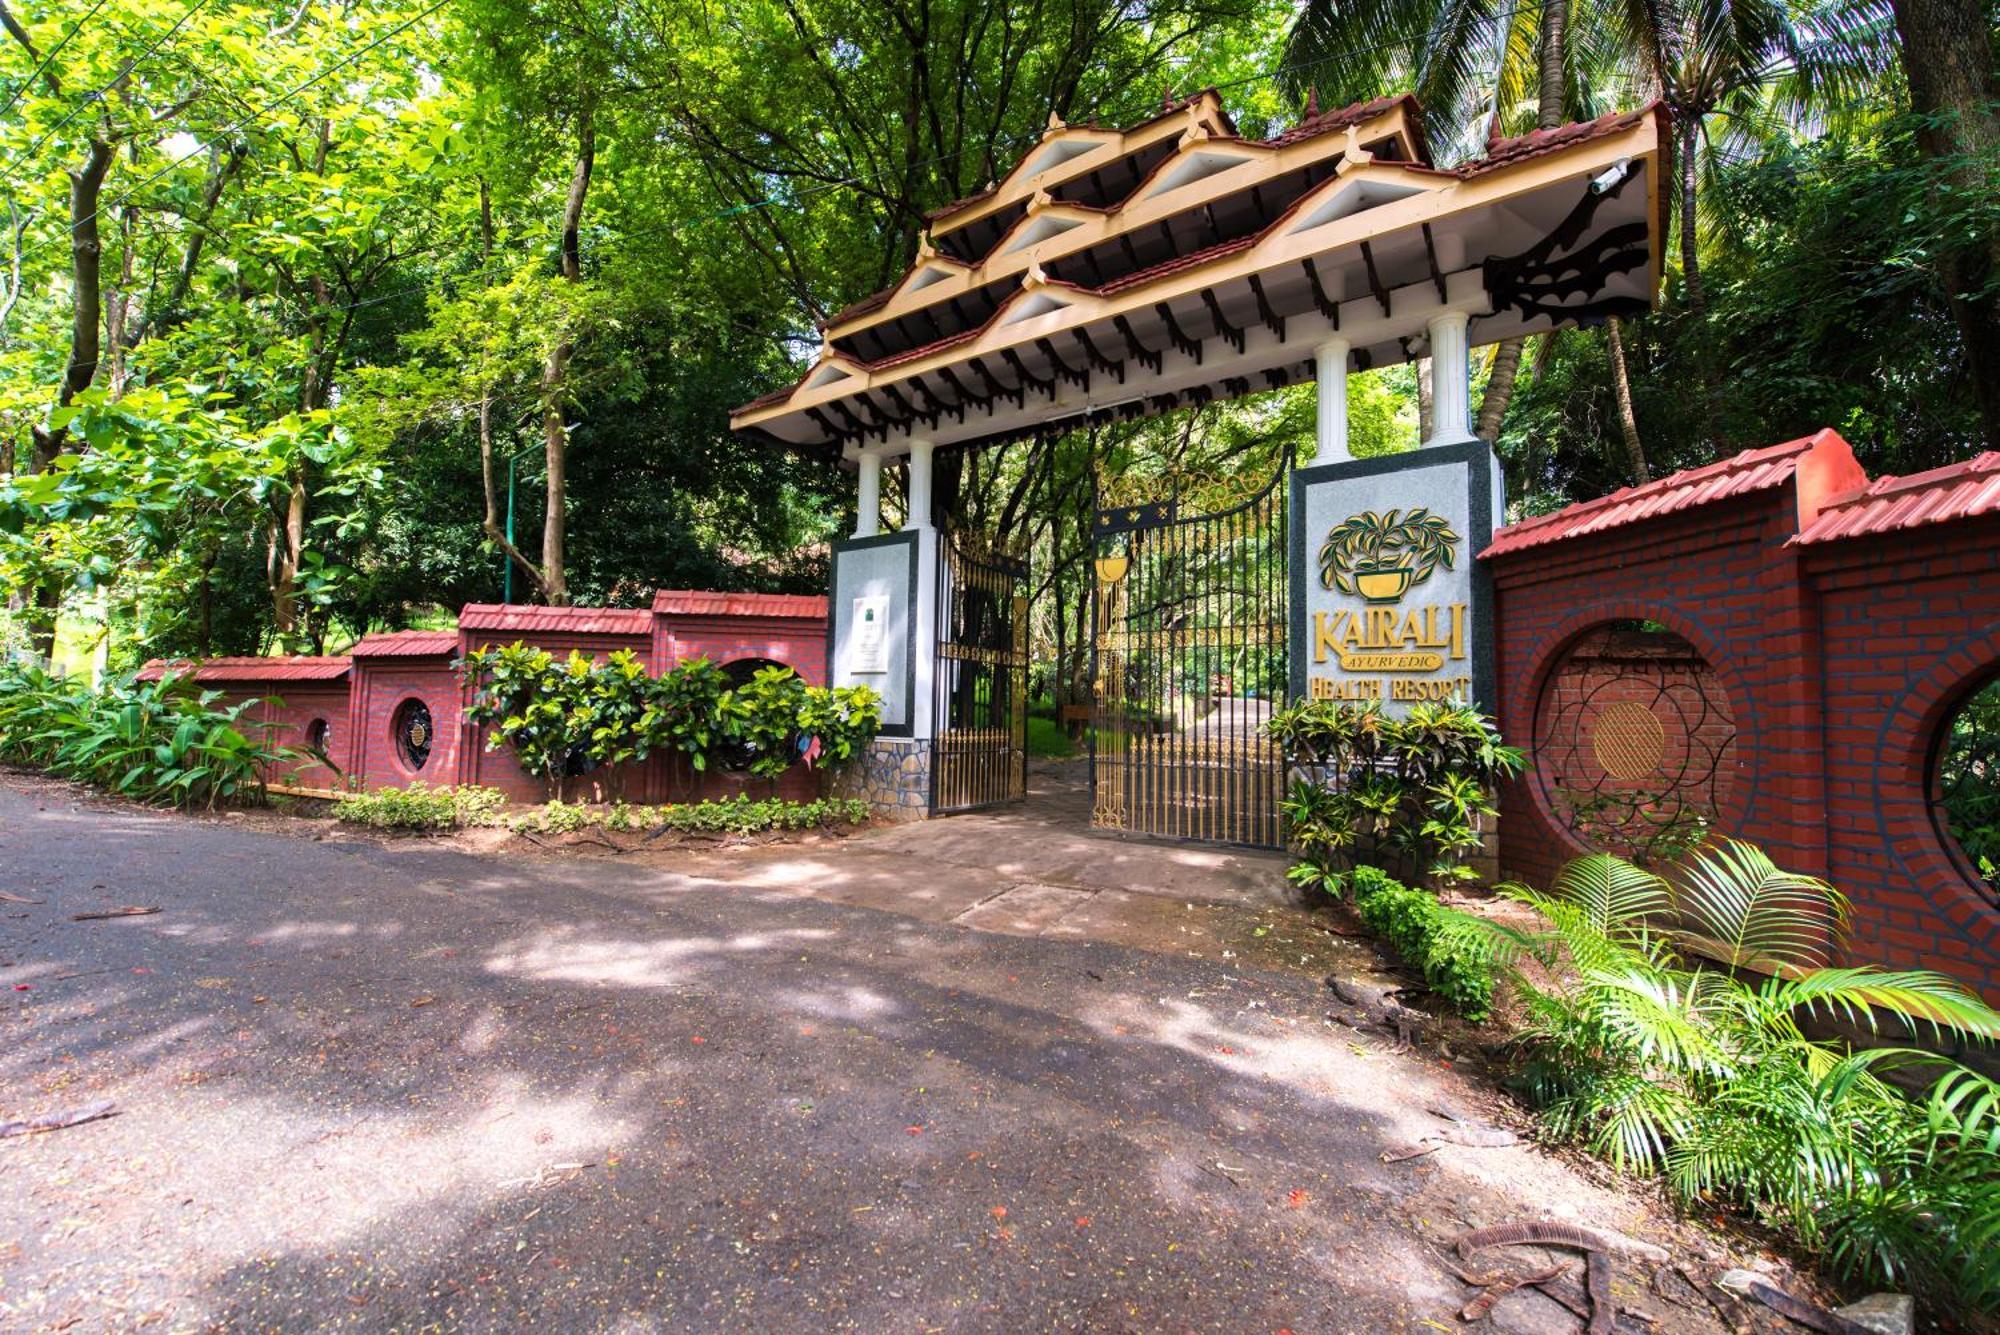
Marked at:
<point>1191,611</point>
<point>979,751</point>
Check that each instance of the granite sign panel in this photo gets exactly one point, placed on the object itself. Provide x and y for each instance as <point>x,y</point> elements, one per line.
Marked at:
<point>1389,602</point>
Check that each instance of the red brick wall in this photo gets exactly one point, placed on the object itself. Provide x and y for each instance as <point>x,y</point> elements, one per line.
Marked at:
<point>279,714</point>
<point>1838,662</point>
<point>380,687</point>
<point>498,768</point>
<point>1910,624</point>
<point>796,642</point>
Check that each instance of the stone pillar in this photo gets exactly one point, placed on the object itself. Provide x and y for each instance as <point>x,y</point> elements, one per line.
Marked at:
<point>868,506</point>
<point>920,485</point>
<point>1331,360</point>
<point>1451,380</point>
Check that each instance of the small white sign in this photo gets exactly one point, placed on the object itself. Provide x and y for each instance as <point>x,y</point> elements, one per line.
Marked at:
<point>868,646</point>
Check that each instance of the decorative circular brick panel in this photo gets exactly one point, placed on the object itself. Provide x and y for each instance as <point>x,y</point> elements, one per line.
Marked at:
<point>413,733</point>
<point>1635,741</point>
<point>1965,785</point>
<point>1628,740</point>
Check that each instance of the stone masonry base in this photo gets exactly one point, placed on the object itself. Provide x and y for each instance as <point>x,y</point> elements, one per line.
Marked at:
<point>893,776</point>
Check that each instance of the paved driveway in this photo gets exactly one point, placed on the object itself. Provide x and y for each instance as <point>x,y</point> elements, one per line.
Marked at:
<point>398,1087</point>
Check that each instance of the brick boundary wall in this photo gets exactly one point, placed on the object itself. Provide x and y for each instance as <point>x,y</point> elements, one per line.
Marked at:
<point>1841,648</point>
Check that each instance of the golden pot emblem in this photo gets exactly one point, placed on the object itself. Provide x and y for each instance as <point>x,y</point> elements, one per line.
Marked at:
<point>1381,557</point>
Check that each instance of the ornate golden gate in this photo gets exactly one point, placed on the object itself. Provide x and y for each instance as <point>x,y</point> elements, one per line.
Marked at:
<point>1191,615</point>
<point>979,755</point>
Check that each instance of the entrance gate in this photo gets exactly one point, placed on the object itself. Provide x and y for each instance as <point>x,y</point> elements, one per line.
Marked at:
<point>1191,645</point>
<point>979,750</point>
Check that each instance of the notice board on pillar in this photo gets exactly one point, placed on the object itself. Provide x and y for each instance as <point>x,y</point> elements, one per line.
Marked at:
<point>1389,601</point>
<point>873,609</point>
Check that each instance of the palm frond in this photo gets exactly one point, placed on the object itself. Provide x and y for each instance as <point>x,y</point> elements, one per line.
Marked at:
<point>1855,994</point>
<point>1614,896</point>
<point>1734,895</point>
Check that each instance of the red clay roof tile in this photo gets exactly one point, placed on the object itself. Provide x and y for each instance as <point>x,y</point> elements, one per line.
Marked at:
<point>292,667</point>
<point>511,618</point>
<point>1965,490</point>
<point>406,644</point>
<point>693,602</point>
<point>1750,471</point>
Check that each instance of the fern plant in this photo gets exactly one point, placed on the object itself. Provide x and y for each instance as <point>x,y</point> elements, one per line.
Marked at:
<point>1657,1049</point>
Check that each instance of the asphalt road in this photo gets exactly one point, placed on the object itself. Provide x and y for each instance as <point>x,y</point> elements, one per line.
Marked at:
<point>395,1087</point>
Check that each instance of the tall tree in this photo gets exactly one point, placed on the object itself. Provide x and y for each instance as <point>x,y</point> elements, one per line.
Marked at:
<point>1947,50</point>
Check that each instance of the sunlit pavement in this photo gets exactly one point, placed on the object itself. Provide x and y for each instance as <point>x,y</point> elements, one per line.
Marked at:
<point>397,1087</point>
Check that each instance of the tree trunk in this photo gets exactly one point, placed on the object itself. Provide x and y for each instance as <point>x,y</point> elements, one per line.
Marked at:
<point>1690,140</point>
<point>1423,399</point>
<point>86,321</point>
<point>1948,59</point>
<point>1628,422</point>
<point>555,370</point>
<point>491,524</point>
<point>1551,111</point>
<point>1554,91</point>
<point>1499,389</point>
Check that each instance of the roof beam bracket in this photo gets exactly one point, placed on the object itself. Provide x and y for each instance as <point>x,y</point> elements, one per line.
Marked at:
<point>1175,335</point>
<point>1152,361</point>
<point>1272,320</point>
<point>1230,333</point>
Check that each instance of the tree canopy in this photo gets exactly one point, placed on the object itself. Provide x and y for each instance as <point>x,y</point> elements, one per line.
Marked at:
<point>313,316</point>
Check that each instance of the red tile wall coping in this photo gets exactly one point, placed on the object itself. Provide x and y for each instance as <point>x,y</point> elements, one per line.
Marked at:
<point>1840,660</point>
<point>292,667</point>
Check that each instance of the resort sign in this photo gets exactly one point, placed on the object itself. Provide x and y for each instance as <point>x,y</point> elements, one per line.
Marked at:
<point>1385,584</point>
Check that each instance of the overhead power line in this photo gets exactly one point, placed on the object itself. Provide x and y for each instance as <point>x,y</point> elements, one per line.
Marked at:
<point>91,99</point>
<point>54,51</point>
<point>254,115</point>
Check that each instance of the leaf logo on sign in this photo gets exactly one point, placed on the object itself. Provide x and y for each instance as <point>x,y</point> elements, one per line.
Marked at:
<point>1380,557</point>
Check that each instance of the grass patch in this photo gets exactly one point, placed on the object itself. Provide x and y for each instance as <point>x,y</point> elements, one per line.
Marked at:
<point>1047,740</point>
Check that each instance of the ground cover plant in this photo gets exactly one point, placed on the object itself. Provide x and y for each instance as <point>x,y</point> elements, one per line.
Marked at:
<point>1368,785</point>
<point>421,807</point>
<point>164,741</point>
<point>1439,942</point>
<point>1639,1045</point>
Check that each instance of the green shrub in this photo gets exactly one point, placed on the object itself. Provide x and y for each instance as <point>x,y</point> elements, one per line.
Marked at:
<point>1664,1062</point>
<point>1430,937</point>
<point>164,741</point>
<point>421,807</point>
<point>1416,786</point>
<point>734,815</point>
<point>564,717</point>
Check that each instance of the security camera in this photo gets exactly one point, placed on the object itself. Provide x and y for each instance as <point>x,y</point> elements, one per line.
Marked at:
<point>1611,177</point>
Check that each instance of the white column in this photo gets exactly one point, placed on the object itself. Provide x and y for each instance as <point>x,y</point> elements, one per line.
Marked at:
<point>1451,380</point>
<point>920,485</point>
<point>868,505</point>
<point>1330,359</point>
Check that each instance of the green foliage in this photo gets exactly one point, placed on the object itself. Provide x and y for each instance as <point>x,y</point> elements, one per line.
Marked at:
<point>734,815</point>
<point>1968,770</point>
<point>1047,739</point>
<point>565,717</point>
<point>421,807</point>
<point>159,741</point>
<point>1662,1062</point>
<point>1417,786</point>
<point>549,710</point>
<point>761,720</point>
<point>1441,942</point>
<point>685,711</point>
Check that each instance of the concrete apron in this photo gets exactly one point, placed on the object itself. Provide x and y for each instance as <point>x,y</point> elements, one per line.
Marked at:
<point>1036,868</point>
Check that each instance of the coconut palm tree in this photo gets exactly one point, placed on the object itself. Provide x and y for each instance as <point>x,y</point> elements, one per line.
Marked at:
<point>1726,69</point>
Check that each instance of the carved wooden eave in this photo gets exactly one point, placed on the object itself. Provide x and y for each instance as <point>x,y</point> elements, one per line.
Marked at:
<point>1050,328</point>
